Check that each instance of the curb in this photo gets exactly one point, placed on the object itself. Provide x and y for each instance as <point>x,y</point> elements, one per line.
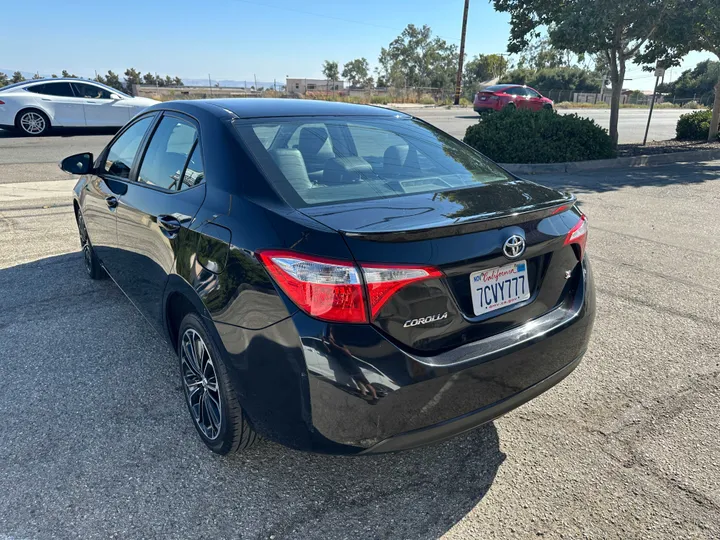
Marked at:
<point>617,163</point>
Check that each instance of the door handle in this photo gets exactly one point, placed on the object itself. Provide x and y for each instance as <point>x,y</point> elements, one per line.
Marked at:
<point>111,201</point>
<point>169,224</point>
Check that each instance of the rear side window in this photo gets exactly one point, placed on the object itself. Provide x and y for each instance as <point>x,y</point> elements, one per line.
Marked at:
<point>195,170</point>
<point>122,153</point>
<point>315,161</point>
<point>167,153</point>
<point>61,89</point>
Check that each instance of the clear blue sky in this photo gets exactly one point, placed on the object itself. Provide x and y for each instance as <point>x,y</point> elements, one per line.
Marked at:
<point>234,39</point>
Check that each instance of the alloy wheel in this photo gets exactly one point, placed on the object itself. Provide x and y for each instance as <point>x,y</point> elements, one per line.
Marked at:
<point>32,123</point>
<point>200,384</point>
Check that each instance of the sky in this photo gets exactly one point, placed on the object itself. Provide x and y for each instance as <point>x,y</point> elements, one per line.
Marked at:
<point>238,39</point>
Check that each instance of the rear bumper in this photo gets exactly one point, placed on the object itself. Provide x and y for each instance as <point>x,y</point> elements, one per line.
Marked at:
<point>484,106</point>
<point>348,389</point>
<point>456,426</point>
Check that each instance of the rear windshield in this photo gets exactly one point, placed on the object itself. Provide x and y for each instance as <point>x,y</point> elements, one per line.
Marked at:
<point>313,161</point>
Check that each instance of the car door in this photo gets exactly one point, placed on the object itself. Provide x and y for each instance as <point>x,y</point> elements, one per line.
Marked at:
<point>153,216</point>
<point>519,97</point>
<point>534,100</point>
<point>100,109</point>
<point>106,187</point>
<point>58,98</point>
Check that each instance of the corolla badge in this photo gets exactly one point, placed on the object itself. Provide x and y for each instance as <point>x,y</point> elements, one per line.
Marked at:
<point>425,320</point>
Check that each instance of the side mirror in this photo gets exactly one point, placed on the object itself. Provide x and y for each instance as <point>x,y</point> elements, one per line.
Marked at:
<point>115,97</point>
<point>78,164</point>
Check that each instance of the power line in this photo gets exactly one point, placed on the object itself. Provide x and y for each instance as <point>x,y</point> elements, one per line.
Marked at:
<point>332,17</point>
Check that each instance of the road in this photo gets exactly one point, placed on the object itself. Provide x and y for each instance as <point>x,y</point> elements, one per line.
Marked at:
<point>631,127</point>
<point>96,443</point>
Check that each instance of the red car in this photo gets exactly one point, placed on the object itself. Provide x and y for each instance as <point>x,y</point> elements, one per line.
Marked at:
<point>501,96</point>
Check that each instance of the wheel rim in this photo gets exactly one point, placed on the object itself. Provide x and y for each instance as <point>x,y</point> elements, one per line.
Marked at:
<point>85,244</point>
<point>32,122</point>
<point>200,384</point>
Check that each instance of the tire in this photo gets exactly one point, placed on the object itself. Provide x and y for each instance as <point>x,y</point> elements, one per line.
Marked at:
<point>547,107</point>
<point>209,394</point>
<point>92,263</point>
<point>32,122</point>
<point>510,107</point>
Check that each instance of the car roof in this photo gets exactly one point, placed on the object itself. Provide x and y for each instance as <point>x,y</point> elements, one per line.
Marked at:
<point>51,79</point>
<point>280,107</point>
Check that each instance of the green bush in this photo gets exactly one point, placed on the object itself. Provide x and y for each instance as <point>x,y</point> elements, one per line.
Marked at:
<point>464,102</point>
<point>694,126</point>
<point>510,136</point>
<point>427,100</point>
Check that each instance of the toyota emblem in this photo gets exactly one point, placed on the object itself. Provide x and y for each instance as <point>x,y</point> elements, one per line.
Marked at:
<point>514,246</point>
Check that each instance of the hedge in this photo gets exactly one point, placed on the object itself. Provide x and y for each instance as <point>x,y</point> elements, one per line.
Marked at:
<point>512,136</point>
<point>694,126</point>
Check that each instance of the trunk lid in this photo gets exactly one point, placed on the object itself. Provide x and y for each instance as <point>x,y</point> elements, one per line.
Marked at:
<point>462,232</point>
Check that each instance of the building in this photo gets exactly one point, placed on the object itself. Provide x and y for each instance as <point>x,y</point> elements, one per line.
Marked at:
<point>302,86</point>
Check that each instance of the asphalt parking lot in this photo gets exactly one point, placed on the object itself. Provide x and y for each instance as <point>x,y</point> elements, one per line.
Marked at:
<point>96,442</point>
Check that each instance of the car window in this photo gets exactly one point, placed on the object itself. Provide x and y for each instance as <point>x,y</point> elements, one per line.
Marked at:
<point>61,89</point>
<point>266,134</point>
<point>90,91</point>
<point>531,93</point>
<point>516,91</point>
<point>371,158</point>
<point>195,171</point>
<point>167,153</point>
<point>122,153</point>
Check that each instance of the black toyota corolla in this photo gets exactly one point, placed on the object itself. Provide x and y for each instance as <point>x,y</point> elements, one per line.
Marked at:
<point>337,278</point>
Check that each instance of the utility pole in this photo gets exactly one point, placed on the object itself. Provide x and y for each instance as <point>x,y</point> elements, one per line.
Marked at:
<point>458,79</point>
<point>210,85</point>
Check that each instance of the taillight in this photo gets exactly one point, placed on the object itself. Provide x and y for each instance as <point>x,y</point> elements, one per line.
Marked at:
<point>326,289</point>
<point>332,290</point>
<point>383,282</point>
<point>578,235</point>
<point>2,102</point>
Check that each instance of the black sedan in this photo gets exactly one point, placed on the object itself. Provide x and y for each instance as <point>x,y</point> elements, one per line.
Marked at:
<point>336,278</point>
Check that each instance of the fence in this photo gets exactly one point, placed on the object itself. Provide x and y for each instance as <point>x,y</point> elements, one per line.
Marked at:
<point>426,95</point>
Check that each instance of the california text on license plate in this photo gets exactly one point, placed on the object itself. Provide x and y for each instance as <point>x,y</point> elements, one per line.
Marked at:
<point>499,287</point>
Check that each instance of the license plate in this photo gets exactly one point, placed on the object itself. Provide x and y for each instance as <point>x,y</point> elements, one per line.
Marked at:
<point>499,287</point>
<point>483,98</point>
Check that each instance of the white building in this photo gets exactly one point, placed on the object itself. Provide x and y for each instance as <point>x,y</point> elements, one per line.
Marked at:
<point>301,86</point>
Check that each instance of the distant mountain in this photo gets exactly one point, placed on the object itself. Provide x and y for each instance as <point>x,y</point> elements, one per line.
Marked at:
<point>187,82</point>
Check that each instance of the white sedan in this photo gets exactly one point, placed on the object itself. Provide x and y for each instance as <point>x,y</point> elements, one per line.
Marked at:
<point>33,107</point>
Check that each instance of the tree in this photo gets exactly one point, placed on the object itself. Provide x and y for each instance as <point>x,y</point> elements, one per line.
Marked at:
<point>149,79</point>
<point>484,67</point>
<point>132,76</point>
<point>4,81</point>
<point>569,78</point>
<point>694,27</point>
<point>113,80</point>
<point>331,71</point>
<point>66,73</point>
<point>54,76</point>
<point>694,83</point>
<point>36,77</point>
<point>17,77</point>
<point>357,72</point>
<point>417,59</point>
<point>177,81</point>
<point>616,29</point>
<point>168,80</point>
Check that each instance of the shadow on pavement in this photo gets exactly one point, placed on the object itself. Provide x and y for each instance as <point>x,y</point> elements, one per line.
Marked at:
<point>96,440</point>
<point>611,180</point>
<point>59,132</point>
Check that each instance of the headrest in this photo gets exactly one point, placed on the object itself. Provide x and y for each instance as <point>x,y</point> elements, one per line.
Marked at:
<point>292,165</point>
<point>345,170</point>
<point>312,139</point>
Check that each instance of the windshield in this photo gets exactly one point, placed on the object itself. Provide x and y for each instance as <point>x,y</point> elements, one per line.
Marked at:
<point>313,161</point>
